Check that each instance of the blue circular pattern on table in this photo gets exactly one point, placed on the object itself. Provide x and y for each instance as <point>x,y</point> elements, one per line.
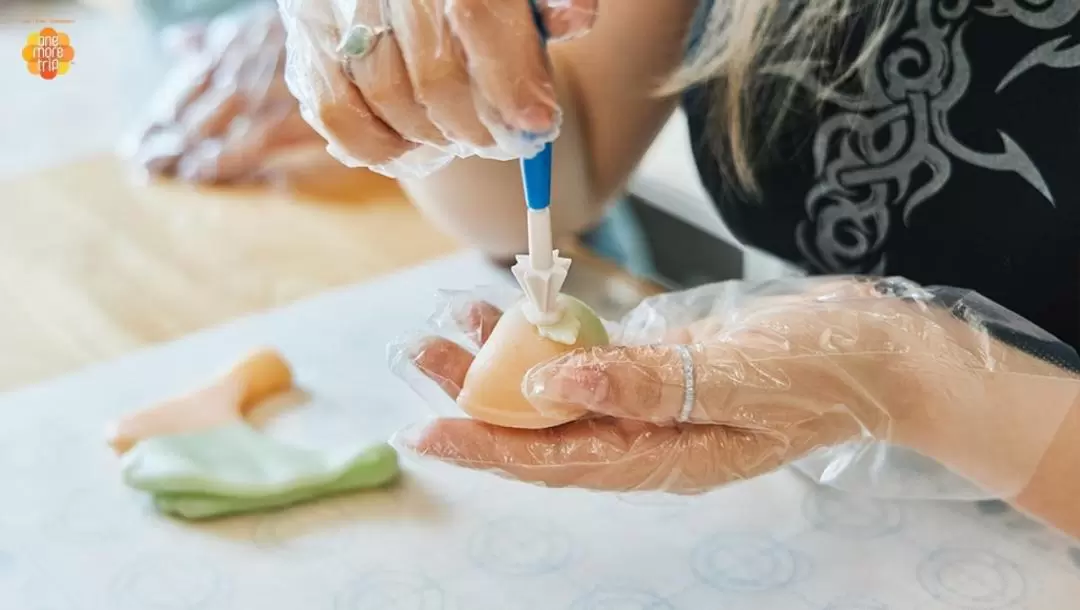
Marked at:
<point>972,579</point>
<point>745,563</point>
<point>520,548</point>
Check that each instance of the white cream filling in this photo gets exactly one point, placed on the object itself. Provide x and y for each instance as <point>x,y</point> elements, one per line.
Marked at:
<point>559,325</point>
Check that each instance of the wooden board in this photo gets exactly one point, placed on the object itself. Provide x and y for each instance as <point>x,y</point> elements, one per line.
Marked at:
<point>93,264</point>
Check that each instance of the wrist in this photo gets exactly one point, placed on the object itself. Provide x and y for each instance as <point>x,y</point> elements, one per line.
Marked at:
<point>1053,493</point>
<point>997,430</point>
<point>994,394</point>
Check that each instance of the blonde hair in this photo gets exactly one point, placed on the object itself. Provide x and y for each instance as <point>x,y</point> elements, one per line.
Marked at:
<point>744,40</point>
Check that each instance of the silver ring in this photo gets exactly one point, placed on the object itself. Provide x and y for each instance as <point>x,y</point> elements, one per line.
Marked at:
<point>688,382</point>
<point>360,40</point>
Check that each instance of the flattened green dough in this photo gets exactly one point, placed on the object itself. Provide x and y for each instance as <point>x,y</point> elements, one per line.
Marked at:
<point>236,469</point>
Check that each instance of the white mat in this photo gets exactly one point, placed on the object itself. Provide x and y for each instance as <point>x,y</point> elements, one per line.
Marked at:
<point>72,538</point>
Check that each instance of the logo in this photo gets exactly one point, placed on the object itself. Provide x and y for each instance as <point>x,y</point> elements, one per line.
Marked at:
<point>48,53</point>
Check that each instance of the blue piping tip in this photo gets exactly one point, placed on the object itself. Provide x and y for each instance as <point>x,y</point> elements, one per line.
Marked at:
<point>536,176</point>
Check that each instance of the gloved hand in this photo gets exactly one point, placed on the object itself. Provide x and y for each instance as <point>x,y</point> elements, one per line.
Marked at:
<point>734,380</point>
<point>404,86</point>
<point>225,114</point>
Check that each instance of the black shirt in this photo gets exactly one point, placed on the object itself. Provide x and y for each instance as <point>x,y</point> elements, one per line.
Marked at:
<point>953,158</point>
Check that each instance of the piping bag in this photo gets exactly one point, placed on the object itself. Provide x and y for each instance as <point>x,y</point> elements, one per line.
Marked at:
<point>542,272</point>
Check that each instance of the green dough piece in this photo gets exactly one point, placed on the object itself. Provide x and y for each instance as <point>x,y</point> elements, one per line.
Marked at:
<point>236,469</point>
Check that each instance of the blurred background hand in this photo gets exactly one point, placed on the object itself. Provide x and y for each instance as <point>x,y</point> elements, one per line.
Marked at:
<point>224,114</point>
<point>403,87</point>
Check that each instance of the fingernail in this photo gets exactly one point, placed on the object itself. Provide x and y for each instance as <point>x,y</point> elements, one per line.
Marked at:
<point>411,439</point>
<point>446,440</point>
<point>571,22</point>
<point>465,315</point>
<point>407,349</point>
<point>536,120</point>
<point>192,170</point>
<point>414,351</point>
<point>424,442</point>
<point>424,348</point>
<point>568,383</point>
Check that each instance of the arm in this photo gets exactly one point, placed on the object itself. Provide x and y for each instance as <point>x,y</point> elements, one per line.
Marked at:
<point>1030,456</point>
<point>607,83</point>
<point>1053,495</point>
<point>1024,444</point>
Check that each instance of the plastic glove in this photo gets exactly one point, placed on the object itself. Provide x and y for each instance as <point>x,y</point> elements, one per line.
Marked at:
<point>440,79</point>
<point>225,114</point>
<point>735,380</point>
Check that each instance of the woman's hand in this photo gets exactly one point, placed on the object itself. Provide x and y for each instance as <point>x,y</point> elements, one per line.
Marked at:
<point>404,86</point>
<point>733,381</point>
<point>225,115</point>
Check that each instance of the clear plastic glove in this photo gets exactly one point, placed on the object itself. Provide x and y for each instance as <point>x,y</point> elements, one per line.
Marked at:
<point>847,378</point>
<point>224,115</point>
<point>405,86</point>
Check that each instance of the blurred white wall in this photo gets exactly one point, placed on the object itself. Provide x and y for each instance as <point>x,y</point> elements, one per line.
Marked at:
<point>82,112</point>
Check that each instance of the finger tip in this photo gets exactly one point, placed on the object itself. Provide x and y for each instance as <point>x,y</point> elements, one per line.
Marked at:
<point>440,439</point>
<point>572,19</point>
<point>481,310</point>
<point>437,355</point>
<point>410,439</point>
<point>477,318</point>
<point>537,121</point>
<point>419,347</point>
<point>158,166</point>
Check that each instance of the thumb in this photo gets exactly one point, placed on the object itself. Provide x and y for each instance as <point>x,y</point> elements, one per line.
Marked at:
<point>651,383</point>
<point>566,19</point>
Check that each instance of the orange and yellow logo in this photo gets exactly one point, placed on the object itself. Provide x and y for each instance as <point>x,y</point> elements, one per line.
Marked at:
<point>48,53</point>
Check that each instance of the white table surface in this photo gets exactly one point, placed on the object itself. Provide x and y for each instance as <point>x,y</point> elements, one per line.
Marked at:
<point>73,538</point>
